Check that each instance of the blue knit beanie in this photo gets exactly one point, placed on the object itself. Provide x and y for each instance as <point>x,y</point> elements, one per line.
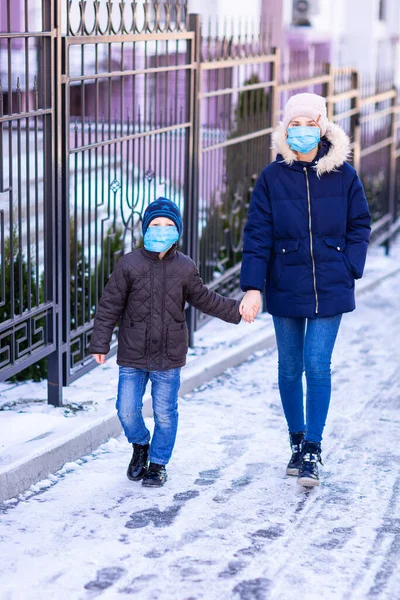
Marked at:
<point>162,207</point>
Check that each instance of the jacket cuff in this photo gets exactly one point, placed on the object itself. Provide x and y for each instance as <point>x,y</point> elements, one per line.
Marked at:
<point>99,349</point>
<point>238,316</point>
<point>254,274</point>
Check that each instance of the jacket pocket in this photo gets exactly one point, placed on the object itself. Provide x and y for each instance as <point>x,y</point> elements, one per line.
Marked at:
<point>281,249</point>
<point>177,341</point>
<point>339,244</point>
<point>285,246</point>
<point>132,338</point>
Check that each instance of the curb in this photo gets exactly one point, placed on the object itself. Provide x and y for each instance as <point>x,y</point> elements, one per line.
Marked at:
<point>19,476</point>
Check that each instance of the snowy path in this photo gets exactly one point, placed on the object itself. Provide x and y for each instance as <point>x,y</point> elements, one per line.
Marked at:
<point>229,524</point>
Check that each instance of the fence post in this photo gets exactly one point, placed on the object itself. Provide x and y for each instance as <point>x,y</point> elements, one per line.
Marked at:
<point>274,113</point>
<point>392,166</point>
<point>52,18</point>
<point>329,91</point>
<point>192,192</point>
<point>355,120</point>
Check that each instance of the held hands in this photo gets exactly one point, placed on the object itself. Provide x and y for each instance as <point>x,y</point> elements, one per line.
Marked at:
<point>100,358</point>
<point>250,305</point>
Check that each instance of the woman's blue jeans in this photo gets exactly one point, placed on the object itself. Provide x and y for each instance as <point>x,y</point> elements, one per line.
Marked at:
<point>306,345</point>
<point>164,391</point>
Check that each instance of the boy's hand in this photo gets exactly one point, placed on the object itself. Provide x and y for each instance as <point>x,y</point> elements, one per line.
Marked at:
<point>100,358</point>
<point>250,305</point>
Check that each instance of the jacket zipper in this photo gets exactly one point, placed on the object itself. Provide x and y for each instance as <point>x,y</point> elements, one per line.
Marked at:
<point>311,240</point>
<point>149,332</point>
<point>163,310</point>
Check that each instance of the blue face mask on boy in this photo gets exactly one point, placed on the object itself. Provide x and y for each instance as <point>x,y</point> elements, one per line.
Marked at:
<point>303,139</point>
<point>160,238</point>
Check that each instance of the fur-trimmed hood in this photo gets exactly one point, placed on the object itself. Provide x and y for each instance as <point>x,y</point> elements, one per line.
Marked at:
<point>338,153</point>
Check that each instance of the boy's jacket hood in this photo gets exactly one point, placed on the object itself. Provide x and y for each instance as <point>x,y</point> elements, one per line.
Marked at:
<point>337,153</point>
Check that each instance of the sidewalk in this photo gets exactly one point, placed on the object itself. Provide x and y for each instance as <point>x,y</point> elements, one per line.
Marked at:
<point>37,439</point>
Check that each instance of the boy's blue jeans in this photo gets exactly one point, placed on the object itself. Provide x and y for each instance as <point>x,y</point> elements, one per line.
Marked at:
<point>306,345</point>
<point>164,391</point>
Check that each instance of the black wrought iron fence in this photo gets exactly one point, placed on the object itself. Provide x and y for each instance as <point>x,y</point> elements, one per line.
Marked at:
<point>105,106</point>
<point>378,152</point>
<point>28,301</point>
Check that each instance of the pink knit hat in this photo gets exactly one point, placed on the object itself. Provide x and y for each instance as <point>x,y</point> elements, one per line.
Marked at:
<point>306,105</point>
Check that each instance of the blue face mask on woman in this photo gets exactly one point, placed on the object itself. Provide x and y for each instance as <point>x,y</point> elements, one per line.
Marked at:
<point>303,139</point>
<point>160,238</point>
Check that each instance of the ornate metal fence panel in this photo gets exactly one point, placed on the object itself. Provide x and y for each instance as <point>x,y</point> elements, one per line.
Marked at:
<point>237,101</point>
<point>27,194</point>
<point>127,135</point>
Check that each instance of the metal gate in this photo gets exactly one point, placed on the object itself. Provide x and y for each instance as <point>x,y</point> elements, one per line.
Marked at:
<point>96,119</point>
<point>126,131</point>
<point>28,301</point>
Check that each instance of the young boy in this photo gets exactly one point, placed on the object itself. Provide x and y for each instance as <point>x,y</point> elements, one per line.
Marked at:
<point>147,292</point>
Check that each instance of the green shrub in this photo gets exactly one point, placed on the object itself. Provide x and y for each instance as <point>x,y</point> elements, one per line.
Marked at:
<point>375,187</point>
<point>23,299</point>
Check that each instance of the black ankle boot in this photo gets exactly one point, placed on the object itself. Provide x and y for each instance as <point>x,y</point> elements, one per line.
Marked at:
<point>308,470</point>
<point>296,440</point>
<point>156,476</point>
<point>138,465</point>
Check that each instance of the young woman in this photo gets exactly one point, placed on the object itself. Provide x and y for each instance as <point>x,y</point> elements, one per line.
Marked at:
<point>305,243</point>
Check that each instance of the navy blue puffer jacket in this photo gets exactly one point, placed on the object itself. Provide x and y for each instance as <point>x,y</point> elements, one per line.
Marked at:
<point>307,233</point>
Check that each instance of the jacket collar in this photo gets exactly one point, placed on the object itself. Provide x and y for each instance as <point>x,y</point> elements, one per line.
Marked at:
<point>156,255</point>
<point>334,150</point>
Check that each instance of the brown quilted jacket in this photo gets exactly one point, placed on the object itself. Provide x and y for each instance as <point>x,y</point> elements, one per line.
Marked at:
<point>147,295</point>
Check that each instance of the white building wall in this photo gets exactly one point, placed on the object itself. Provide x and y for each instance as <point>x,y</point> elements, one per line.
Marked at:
<point>359,37</point>
<point>227,9</point>
<point>357,45</point>
<point>368,43</point>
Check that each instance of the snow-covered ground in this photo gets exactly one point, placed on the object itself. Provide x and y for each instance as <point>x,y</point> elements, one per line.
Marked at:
<point>229,524</point>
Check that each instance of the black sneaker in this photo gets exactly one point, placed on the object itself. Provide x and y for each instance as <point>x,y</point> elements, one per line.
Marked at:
<point>155,476</point>
<point>138,465</point>
<point>296,440</point>
<point>308,470</point>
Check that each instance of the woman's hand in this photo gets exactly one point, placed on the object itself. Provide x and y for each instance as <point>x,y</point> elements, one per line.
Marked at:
<point>250,305</point>
<point>100,358</point>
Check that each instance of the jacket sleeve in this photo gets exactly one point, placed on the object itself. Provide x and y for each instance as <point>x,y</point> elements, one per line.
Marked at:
<point>257,239</point>
<point>110,309</point>
<point>358,228</point>
<point>209,302</point>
